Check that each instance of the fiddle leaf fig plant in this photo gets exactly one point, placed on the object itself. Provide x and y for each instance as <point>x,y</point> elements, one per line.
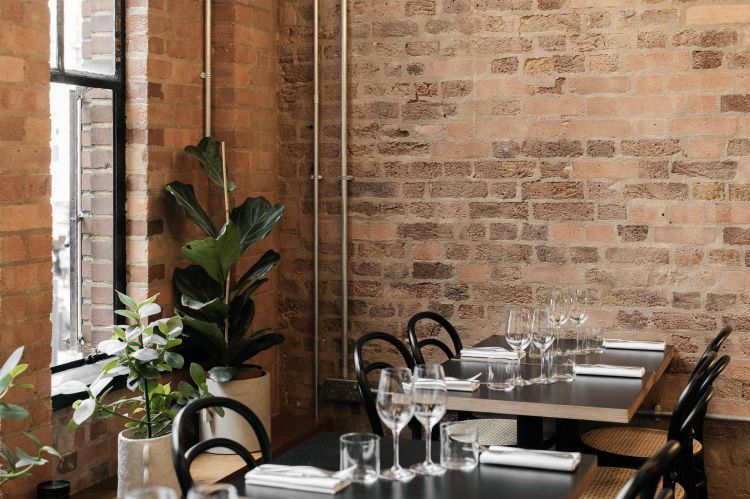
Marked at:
<point>17,463</point>
<point>216,306</point>
<point>143,352</point>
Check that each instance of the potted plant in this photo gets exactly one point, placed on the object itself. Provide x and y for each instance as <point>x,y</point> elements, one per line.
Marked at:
<point>142,352</point>
<point>18,463</point>
<point>216,304</point>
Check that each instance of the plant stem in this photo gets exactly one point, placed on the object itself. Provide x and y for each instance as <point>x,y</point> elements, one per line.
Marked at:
<point>145,392</point>
<point>226,215</point>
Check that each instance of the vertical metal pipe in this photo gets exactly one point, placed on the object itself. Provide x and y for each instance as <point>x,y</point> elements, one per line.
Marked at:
<point>344,197</point>
<point>206,74</point>
<point>316,194</point>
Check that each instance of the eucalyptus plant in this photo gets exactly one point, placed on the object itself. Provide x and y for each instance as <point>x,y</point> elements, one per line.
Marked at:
<point>216,306</point>
<point>16,464</point>
<point>142,351</point>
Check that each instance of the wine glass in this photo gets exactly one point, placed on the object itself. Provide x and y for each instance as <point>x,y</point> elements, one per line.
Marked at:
<point>395,407</point>
<point>558,310</point>
<point>542,335</point>
<point>430,396</point>
<point>579,313</point>
<point>518,337</point>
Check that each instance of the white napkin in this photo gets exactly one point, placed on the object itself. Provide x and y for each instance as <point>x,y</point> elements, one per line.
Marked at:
<point>607,370</point>
<point>657,346</point>
<point>461,385</point>
<point>540,459</point>
<point>487,353</point>
<point>305,478</point>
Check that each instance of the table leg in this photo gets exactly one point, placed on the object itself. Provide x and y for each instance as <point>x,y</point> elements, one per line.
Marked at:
<point>566,435</point>
<point>530,432</point>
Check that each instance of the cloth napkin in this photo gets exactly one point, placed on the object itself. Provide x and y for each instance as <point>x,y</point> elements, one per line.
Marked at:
<point>657,346</point>
<point>607,370</point>
<point>305,478</point>
<point>461,385</point>
<point>487,353</point>
<point>540,459</point>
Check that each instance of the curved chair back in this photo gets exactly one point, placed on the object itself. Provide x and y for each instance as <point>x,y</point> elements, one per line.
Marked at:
<point>644,482</point>
<point>183,456</point>
<point>714,346</point>
<point>416,345</point>
<point>363,369</point>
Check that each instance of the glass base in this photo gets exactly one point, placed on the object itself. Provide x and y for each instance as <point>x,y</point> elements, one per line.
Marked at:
<point>398,474</point>
<point>427,469</point>
<point>543,380</point>
<point>565,377</point>
<point>522,382</point>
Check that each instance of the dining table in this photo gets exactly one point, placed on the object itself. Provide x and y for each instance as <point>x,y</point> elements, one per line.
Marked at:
<point>485,480</point>
<point>585,398</point>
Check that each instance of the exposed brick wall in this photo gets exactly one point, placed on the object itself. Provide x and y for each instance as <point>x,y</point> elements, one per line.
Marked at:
<point>501,148</point>
<point>25,226</point>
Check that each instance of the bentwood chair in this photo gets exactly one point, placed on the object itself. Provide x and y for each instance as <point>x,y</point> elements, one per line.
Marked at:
<point>645,482</point>
<point>630,447</point>
<point>183,453</point>
<point>490,431</point>
<point>363,368</point>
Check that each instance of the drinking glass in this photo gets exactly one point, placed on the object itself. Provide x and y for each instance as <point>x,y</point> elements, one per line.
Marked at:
<point>518,336</point>
<point>395,407</point>
<point>360,456</point>
<point>212,491</point>
<point>579,313</point>
<point>152,493</point>
<point>459,445</point>
<point>558,310</point>
<point>501,374</point>
<point>562,366</point>
<point>595,339</point>
<point>542,335</point>
<point>430,396</point>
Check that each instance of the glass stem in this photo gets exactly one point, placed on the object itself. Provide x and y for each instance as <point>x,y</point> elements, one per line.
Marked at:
<point>541,365</point>
<point>428,445</point>
<point>396,465</point>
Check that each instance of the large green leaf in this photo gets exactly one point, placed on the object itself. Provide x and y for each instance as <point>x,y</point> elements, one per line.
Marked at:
<point>185,197</point>
<point>207,335</point>
<point>246,348</point>
<point>241,315</point>
<point>197,284</point>
<point>255,219</point>
<point>12,411</point>
<point>260,268</point>
<point>208,152</point>
<point>214,311</point>
<point>216,256</point>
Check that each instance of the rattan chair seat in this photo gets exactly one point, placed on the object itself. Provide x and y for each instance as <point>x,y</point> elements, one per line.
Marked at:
<point>493,431</point>
<point>609,481</point>
<point>629,441</point>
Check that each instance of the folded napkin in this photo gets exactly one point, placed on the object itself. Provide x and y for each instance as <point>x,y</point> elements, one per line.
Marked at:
<point>657,346</point>
<point>305,478</point>
<point>607,370</point>
<point>540,459</point>
<point>487,353</point>
<point>461,385</point>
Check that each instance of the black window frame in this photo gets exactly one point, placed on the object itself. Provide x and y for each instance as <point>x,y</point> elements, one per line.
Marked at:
<point>116,84</point>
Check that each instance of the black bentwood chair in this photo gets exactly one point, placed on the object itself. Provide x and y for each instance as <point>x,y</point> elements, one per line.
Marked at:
<point>490,431</point>
<point>630,447</point>
<point>645,482</point>
<point>363,369</point>
<point>183,456</point>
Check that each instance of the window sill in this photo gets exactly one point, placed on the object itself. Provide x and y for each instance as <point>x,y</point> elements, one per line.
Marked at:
<point>86,373</point>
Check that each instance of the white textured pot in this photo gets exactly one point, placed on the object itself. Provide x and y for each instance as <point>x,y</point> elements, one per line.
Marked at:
<point>255,393</point>
<point>144,462</point>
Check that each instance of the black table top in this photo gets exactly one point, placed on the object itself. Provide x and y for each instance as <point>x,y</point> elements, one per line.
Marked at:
<point>590,398</point>
<point>322,450</point>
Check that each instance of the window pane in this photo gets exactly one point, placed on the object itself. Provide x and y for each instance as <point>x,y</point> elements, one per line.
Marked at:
<point>89,35</point>
<point>82,207</point>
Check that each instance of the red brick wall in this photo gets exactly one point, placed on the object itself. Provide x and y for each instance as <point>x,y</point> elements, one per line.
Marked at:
<point>503,147</point>
<point>25,224</point>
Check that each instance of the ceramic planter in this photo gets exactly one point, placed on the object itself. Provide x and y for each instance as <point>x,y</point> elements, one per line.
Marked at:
<point>144,462</point>
<point>255,393</point>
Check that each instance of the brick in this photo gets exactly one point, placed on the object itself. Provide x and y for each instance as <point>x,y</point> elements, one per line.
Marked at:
<point>723,170</point>
<point>736,235</point>
<point>504,65</point>
<point>552,149</point>
<point>563,211</point>
<point>637,255</point>
<point>738,147</point>
<point>630,233</point>
<point>707,38</point>
<point>735,103</point>
<point>601,148</point>
<point>432,270</point>
<point>552,190</point>
<point>650,147</point>
<point>707,59</point>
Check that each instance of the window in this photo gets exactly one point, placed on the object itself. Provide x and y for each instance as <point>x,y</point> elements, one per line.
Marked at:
<point>87,107</point>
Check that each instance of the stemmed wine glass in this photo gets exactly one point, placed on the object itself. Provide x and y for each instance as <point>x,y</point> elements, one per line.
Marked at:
<point>395,407</point>
<point>558,310</point>
<point>542,335</point>
<point>579,313</point>
<point>430,396</point>
<point>518,337</point>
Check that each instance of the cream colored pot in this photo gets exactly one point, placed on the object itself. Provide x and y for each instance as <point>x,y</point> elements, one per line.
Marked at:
<point>144,462</point>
